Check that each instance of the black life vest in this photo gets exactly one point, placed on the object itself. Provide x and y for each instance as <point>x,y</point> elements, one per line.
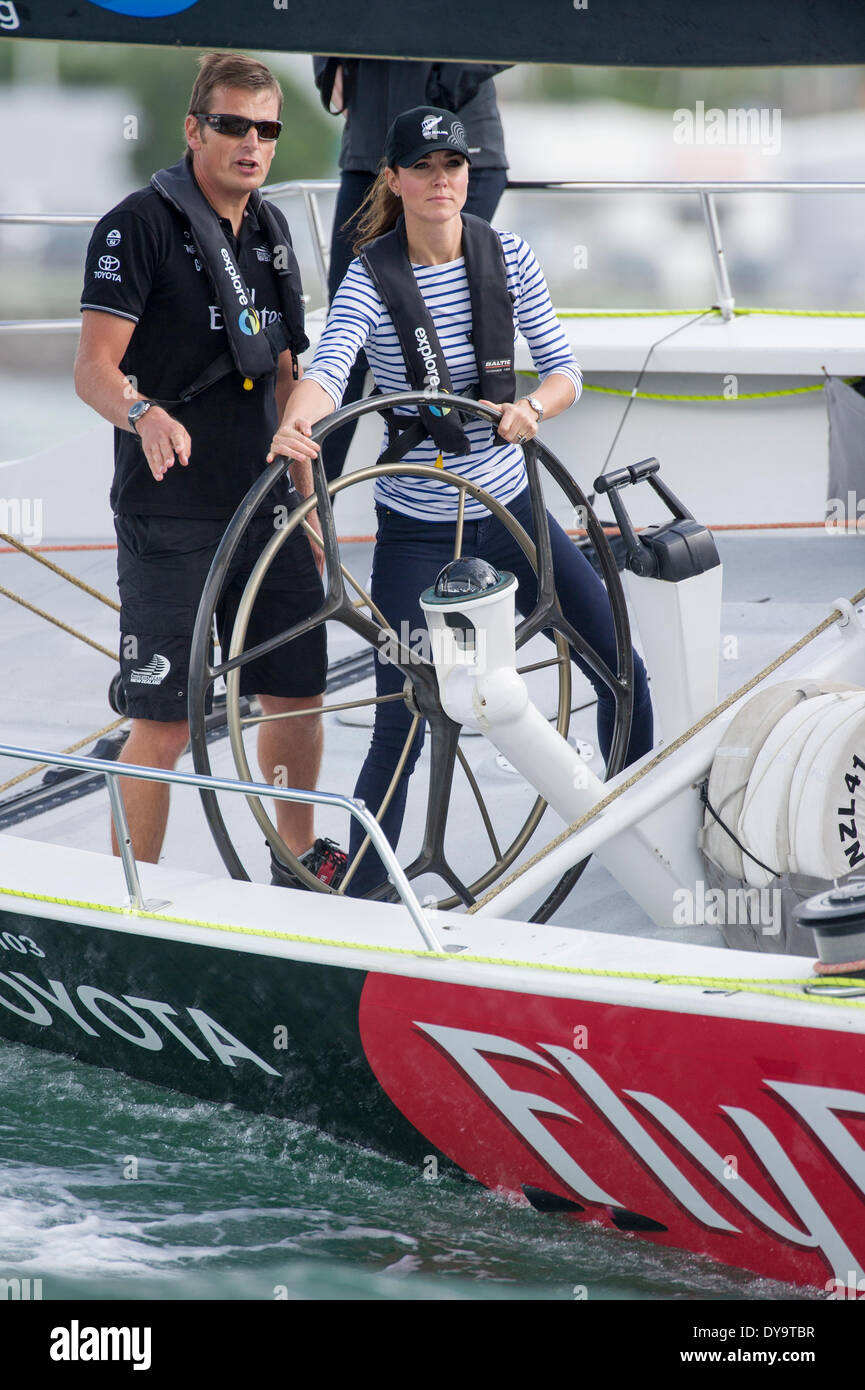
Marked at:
<point>253,349</point>
<point>387,262</point>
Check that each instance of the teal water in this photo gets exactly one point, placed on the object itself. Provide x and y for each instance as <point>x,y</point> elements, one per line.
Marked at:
<point>229,1205</point>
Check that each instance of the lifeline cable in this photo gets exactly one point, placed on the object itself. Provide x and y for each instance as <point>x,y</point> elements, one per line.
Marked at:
<point>657,343</point>
<point>73,748</point>
<point>64,574</point>
<point>64,627</point>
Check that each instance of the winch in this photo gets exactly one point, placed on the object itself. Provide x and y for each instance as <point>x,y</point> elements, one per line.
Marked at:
<point>837,919</point>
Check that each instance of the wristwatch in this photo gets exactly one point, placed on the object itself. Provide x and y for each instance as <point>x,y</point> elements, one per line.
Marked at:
<point>536,407</point>
<point>136,410</point>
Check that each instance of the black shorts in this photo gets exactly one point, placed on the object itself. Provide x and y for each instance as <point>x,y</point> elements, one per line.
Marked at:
<point>162,564</point>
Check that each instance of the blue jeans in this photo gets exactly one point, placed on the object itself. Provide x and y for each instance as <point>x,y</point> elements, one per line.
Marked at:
<point>485,188</point>
<point>408,556</point>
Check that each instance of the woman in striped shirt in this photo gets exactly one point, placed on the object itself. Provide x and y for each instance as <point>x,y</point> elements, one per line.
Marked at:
<point>425,177</point>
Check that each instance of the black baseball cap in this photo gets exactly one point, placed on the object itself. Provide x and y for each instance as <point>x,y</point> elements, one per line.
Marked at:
<point>424,128</point>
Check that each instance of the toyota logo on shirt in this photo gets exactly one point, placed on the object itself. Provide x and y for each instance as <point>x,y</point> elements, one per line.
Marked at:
<point>108,268</point>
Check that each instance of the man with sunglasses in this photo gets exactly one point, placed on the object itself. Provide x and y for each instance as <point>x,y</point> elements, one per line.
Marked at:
<point>182,293</point>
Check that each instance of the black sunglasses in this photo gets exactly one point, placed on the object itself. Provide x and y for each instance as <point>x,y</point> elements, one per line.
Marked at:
<point>238,126</point>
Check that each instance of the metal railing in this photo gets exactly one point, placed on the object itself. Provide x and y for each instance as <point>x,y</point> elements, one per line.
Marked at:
<point>310,189</point>
<point>111,771</point>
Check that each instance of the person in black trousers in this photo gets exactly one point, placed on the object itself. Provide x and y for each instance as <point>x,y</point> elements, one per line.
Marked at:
<point>370,94</point>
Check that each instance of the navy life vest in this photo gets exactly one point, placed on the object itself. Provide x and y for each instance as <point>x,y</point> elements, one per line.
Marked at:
<point>387,262</point>
<point>253,349</point>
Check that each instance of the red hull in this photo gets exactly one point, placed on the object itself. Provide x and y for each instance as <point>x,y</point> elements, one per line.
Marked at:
<point>744,1140</point>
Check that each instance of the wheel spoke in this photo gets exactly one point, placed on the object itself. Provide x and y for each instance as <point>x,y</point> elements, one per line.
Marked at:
<point>444,740</point>
<point>461,512</point>
<point>366,600</point>
<point>482,806</point>
<point>539,665</point>
<point>251,719</point>
<point>385,802</point>
<point>444,737</point>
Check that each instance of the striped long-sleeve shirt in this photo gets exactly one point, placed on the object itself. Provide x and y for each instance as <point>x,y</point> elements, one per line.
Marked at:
<point>358,319</point>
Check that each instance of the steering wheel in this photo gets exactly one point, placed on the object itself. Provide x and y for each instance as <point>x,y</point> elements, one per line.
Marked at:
<point>421,687</point>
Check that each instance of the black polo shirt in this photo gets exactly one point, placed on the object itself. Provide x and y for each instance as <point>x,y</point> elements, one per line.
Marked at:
<point>142,265</point>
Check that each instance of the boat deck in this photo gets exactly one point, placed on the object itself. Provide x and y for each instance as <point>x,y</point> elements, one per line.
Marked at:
<point>778,585</point>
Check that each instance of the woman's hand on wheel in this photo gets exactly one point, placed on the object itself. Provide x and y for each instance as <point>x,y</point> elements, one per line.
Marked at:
<point>517,422</point>
<point>292,439</point>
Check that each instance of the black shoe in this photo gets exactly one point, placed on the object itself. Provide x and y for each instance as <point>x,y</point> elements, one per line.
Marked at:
<point>325,860</point>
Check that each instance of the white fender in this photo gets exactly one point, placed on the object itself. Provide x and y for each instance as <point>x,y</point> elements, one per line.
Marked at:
<point>788,780</point>
<point>826,815</point>
<point>763,822</point>
<point>734,761</point>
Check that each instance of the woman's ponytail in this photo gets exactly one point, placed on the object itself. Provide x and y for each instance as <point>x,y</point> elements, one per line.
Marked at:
<point>377,213</point>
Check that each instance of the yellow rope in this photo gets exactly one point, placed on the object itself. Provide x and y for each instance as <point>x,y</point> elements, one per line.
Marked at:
<point>73,748</point>
<point>669,396</point>
<point>783,989</point>
<point>64,574</point>
<point>628,313</point>
<point>808,313</point>
<point>659,757</point>
<point>712,309</point>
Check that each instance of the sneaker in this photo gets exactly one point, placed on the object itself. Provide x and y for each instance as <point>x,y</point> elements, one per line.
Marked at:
<point>325,860</point>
